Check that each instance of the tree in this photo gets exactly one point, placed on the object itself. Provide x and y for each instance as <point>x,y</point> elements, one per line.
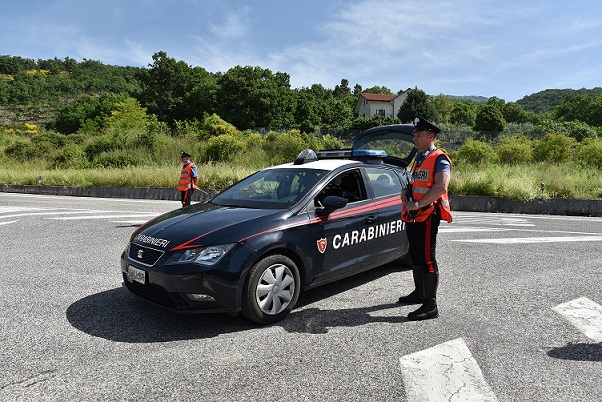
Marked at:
<point>417,103</point>
<point>255,97</point>
<point>489,118</point>
<point>497,102</point>
<point>514,113</point>
<point>378,90</point>
<point>444,107</point>
<point>167,87</point>
<point>127,115</point>
<point>72,116</point>
<point>317,108</point>
<point>580,108</point>
<point>463,113</point>
<point>343,89</point>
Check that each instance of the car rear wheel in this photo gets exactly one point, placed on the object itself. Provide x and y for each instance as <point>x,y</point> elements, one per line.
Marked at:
<point>272,289</point>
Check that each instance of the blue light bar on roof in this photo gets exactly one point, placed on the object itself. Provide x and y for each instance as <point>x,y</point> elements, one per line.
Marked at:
<point>374,153</point>
<point>334,154</point>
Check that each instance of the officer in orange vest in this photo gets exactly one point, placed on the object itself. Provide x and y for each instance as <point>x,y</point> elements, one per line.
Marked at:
<point>188,179</point>
<point>424,203</point>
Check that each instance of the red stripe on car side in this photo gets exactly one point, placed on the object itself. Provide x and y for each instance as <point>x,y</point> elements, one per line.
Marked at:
<point>387,202</point>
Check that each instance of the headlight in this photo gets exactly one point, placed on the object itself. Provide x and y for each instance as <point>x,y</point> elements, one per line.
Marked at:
<point>208,255</point>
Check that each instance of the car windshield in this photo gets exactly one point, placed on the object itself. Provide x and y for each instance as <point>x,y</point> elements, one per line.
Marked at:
<point>270,188</point>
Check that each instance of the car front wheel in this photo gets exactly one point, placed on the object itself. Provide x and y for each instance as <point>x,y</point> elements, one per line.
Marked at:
<point>272,289</point>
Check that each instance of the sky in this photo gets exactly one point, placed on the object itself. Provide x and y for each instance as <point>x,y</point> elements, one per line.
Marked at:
<point>503,48</point>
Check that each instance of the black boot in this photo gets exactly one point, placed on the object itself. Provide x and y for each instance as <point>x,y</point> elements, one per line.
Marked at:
<point>417,296</point>
<point>429,308</point>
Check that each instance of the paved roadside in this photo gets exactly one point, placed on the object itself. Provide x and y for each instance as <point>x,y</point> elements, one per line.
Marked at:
<point>472,203</point>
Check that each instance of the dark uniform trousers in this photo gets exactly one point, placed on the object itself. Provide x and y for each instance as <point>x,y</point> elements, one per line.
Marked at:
<point>186,196</point>
<point>422,237</point>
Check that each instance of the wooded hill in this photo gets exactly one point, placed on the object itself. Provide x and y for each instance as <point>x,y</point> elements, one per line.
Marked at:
<point>62,94</point>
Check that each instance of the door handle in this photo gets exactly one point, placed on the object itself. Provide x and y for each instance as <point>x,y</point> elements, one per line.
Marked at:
<point>370,218</point>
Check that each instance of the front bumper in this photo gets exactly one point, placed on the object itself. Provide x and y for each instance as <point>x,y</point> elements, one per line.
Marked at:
<point>190,288</point>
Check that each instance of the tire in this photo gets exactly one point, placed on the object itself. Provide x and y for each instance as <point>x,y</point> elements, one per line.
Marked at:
<point>271,290</point>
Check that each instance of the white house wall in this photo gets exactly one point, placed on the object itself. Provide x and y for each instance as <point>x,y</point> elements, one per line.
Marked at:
<point>371,108</point>
<point>398,101</point>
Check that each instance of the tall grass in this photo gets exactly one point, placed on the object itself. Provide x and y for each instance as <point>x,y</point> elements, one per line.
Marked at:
<point>152,160</point>
<point>211,175</point>
<point>522,182</point>
<point>527,181</point>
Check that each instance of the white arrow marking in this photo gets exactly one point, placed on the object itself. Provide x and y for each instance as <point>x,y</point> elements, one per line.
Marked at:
<point>446,372</point>
<point>584,314</point>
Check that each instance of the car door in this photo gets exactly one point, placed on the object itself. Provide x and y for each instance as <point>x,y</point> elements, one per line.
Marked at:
<point>338,242</point>
<point>384,186</point>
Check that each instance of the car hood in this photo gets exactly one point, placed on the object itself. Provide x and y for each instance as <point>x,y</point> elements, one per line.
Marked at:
<point>203,224</point>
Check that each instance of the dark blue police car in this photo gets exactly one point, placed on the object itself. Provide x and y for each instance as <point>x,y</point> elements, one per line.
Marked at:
<point>254,247</point>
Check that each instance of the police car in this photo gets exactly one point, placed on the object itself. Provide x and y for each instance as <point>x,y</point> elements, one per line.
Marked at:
<point>255,246</point>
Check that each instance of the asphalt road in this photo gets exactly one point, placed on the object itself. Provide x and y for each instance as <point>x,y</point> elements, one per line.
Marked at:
<point>69,331</point>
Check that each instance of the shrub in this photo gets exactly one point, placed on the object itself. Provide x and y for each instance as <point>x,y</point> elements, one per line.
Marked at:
<point>476,152</point>
<point>26,149</point>
<point>252,140</point>
<point>286,146</point>
<point>71,156</point>
<point>513,150</point>
<point>148,139</point>
<point>555,147</point>
<point>116,159</point>
<point>99,145</point>
<point>331,142</point>
<point>214,126</point>
<point>188,128</point>
<point>78,139</point>
<point>223,147</point>
<point>590,154</point>
<point>55,139</point>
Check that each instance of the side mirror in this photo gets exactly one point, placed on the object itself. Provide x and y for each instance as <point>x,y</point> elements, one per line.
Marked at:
<point>331,203</point>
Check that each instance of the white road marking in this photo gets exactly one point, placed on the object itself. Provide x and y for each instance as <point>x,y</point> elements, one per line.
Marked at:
<point>491,216</point>
<point>461,229</point>
<point>527,240</point>
<point>8,210</point>
<point>102,217</point>
<point>446,372</point>
<point>497,220</point>
<point>584,314</point>
<point>6,223</point>
<point>73,197</point>
<point>132,222</point>
<point>53,213</point>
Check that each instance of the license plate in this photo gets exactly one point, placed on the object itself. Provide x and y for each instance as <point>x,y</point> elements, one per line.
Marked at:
<point>136,275</point>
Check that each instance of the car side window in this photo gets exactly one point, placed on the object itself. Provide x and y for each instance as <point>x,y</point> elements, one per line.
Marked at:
<point>347,185</point>
<point>383,182</point>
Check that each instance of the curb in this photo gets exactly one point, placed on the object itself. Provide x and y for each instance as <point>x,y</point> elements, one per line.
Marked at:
<point>149,193</point>
<point>471,203</point>
<point>552,206</point>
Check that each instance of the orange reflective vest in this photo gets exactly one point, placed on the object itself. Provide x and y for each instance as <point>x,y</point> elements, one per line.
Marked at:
<point>424,178</point>
<point>186,177</point>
